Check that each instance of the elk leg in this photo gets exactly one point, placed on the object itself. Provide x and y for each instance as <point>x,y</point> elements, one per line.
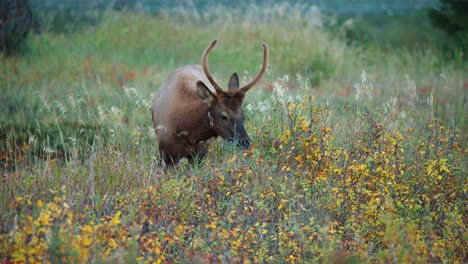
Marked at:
<point>167,160</point>
<point>198,155</point>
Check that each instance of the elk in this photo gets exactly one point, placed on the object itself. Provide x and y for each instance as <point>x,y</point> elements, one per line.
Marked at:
<point>191,107</point>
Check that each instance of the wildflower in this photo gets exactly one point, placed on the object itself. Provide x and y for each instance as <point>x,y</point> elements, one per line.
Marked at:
<point>116,219</point>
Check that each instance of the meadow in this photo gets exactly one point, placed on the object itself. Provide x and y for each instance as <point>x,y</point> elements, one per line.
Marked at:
<point>359,152</point>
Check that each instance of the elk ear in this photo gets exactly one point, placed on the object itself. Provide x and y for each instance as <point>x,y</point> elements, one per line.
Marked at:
<point>233,82</point>
<point>205,93</point>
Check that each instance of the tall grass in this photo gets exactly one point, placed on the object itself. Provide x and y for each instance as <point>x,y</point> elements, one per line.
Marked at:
<point>353,149</point>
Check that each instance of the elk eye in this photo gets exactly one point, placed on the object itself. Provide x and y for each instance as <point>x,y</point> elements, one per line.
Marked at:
<point>224,117</point>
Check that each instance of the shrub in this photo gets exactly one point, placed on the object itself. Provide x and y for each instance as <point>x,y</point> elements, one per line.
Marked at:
<point>16,20</point>
<point>450,16</point>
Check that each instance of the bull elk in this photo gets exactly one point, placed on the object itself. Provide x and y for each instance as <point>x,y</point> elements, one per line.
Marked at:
<point>191,107</point>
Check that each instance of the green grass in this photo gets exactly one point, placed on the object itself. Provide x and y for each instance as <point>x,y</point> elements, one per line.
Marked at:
<point>390,30</point>
<point>331,175</point>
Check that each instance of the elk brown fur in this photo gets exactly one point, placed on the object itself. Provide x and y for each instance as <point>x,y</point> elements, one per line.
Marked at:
<point>190,108</point>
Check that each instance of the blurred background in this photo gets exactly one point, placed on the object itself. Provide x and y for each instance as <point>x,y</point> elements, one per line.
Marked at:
<point>397,22</point>
<point>384,22</point>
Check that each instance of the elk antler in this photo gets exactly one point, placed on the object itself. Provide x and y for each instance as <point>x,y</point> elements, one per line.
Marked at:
<point>247,86</point>
<point>205,66</point>
<point>261,73</point>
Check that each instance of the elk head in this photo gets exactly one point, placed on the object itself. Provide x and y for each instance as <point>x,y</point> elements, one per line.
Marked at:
<point>225,107</point>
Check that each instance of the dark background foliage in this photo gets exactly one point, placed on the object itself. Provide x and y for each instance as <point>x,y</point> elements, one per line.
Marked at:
<point>451,17</point>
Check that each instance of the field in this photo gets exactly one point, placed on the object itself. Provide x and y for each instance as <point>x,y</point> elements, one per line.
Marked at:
<point>359,152</point>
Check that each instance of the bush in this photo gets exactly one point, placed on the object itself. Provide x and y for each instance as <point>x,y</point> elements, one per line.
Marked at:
<point>450,16</point>
<point>16,20</point>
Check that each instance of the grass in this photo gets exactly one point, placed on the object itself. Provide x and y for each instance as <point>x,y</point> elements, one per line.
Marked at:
<point>386,30</point>
<point>359,154</point>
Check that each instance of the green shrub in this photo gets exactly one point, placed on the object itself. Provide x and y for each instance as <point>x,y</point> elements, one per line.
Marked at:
<point>451,17</point>
<point>16,20</point>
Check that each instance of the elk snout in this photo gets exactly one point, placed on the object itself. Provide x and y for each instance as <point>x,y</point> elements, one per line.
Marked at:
<point>241,136</point>
<point>244,143</point>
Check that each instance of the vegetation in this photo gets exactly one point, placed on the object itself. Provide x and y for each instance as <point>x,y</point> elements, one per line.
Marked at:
<point>450,17</point>
<point>359,155</point>
<point>16,20</point>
